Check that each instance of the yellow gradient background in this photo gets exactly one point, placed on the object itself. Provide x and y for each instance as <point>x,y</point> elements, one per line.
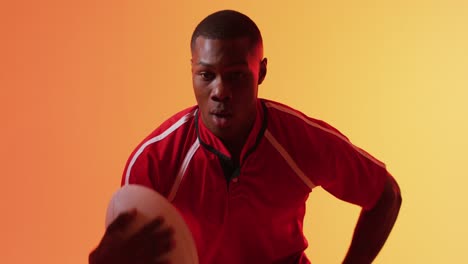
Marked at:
<point>83,82</point>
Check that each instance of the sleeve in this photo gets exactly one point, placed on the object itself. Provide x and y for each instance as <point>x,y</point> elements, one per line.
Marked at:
<point>327,158</point>
<point>348,172</point>
<point>152,165</point>
<point>139,169</point>
<point>155,161</point>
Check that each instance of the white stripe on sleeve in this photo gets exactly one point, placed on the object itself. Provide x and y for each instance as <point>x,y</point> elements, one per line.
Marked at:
<point>183,168</point>
<point>157,138</point>
<point>289,159</point>
<point>312,123</point>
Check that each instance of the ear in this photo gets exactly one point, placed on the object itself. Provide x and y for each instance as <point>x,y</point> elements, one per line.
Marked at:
<point>263,70</point>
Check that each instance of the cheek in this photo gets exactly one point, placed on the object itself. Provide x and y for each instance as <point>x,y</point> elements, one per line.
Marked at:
<point>249,89</point>
<point>202,93</point>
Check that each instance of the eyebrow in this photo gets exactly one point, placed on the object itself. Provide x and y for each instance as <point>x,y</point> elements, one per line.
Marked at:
<point>239,63</point>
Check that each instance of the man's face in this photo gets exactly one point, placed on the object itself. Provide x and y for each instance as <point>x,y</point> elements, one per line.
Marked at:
<point>225,75</point>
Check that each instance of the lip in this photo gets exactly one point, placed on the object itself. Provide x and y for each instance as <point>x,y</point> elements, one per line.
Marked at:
<point>222,113</point>
<point>220,110</point>
<point>221,119</point>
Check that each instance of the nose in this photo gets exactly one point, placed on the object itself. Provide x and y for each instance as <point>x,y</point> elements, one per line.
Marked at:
<point>221,92</point>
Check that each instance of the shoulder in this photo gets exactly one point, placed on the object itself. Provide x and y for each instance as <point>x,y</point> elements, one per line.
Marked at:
<point>176,121</point>
<point>173,130</point>
<point>285,119</point>
<point>174,124</point>
<point>160,152</point>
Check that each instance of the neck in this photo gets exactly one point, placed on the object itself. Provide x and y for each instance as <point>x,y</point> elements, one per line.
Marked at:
<point>237,142</point>
<point>235,148</point>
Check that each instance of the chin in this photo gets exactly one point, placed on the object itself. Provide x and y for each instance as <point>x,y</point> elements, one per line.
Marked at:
<point>223,133</point>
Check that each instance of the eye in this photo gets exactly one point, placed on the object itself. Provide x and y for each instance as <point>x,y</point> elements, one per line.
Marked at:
<point>207,76</point>
<point>237,76</point>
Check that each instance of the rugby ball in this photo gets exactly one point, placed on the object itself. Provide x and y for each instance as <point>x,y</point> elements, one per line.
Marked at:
<point>149,204</point>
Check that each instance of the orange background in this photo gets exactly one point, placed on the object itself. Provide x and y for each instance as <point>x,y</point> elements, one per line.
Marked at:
<point>82,82</point>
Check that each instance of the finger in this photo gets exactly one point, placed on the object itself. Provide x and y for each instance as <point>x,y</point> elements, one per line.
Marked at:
<point>122,220</point>
<point>165,233</point>
<point>146,235</point>
<point>152,225</point>
<point>150,249</point>
<point>152,244</point>
<point>164,242</point>
<point>151,239</point>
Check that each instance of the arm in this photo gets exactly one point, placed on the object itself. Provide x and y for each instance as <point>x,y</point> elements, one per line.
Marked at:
<point>374,225</point>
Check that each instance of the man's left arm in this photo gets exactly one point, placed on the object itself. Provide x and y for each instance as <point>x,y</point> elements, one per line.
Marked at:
<point>374,225</point>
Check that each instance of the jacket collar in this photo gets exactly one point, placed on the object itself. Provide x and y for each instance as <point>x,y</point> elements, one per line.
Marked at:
<point>212,143</point>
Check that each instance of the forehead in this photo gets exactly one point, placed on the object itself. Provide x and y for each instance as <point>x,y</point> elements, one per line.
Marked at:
<point>222,51</point>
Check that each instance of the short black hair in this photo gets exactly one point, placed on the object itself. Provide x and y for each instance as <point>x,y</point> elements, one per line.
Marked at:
<point>227,24</point>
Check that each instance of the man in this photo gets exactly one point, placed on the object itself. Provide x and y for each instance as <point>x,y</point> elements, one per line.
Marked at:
<point>240,168</point>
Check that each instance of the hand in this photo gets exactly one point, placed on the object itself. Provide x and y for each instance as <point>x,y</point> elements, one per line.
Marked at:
<point>146,246</point>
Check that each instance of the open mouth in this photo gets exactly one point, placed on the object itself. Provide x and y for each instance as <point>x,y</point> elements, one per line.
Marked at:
<point>221,119</point>
<point>222,115</point>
